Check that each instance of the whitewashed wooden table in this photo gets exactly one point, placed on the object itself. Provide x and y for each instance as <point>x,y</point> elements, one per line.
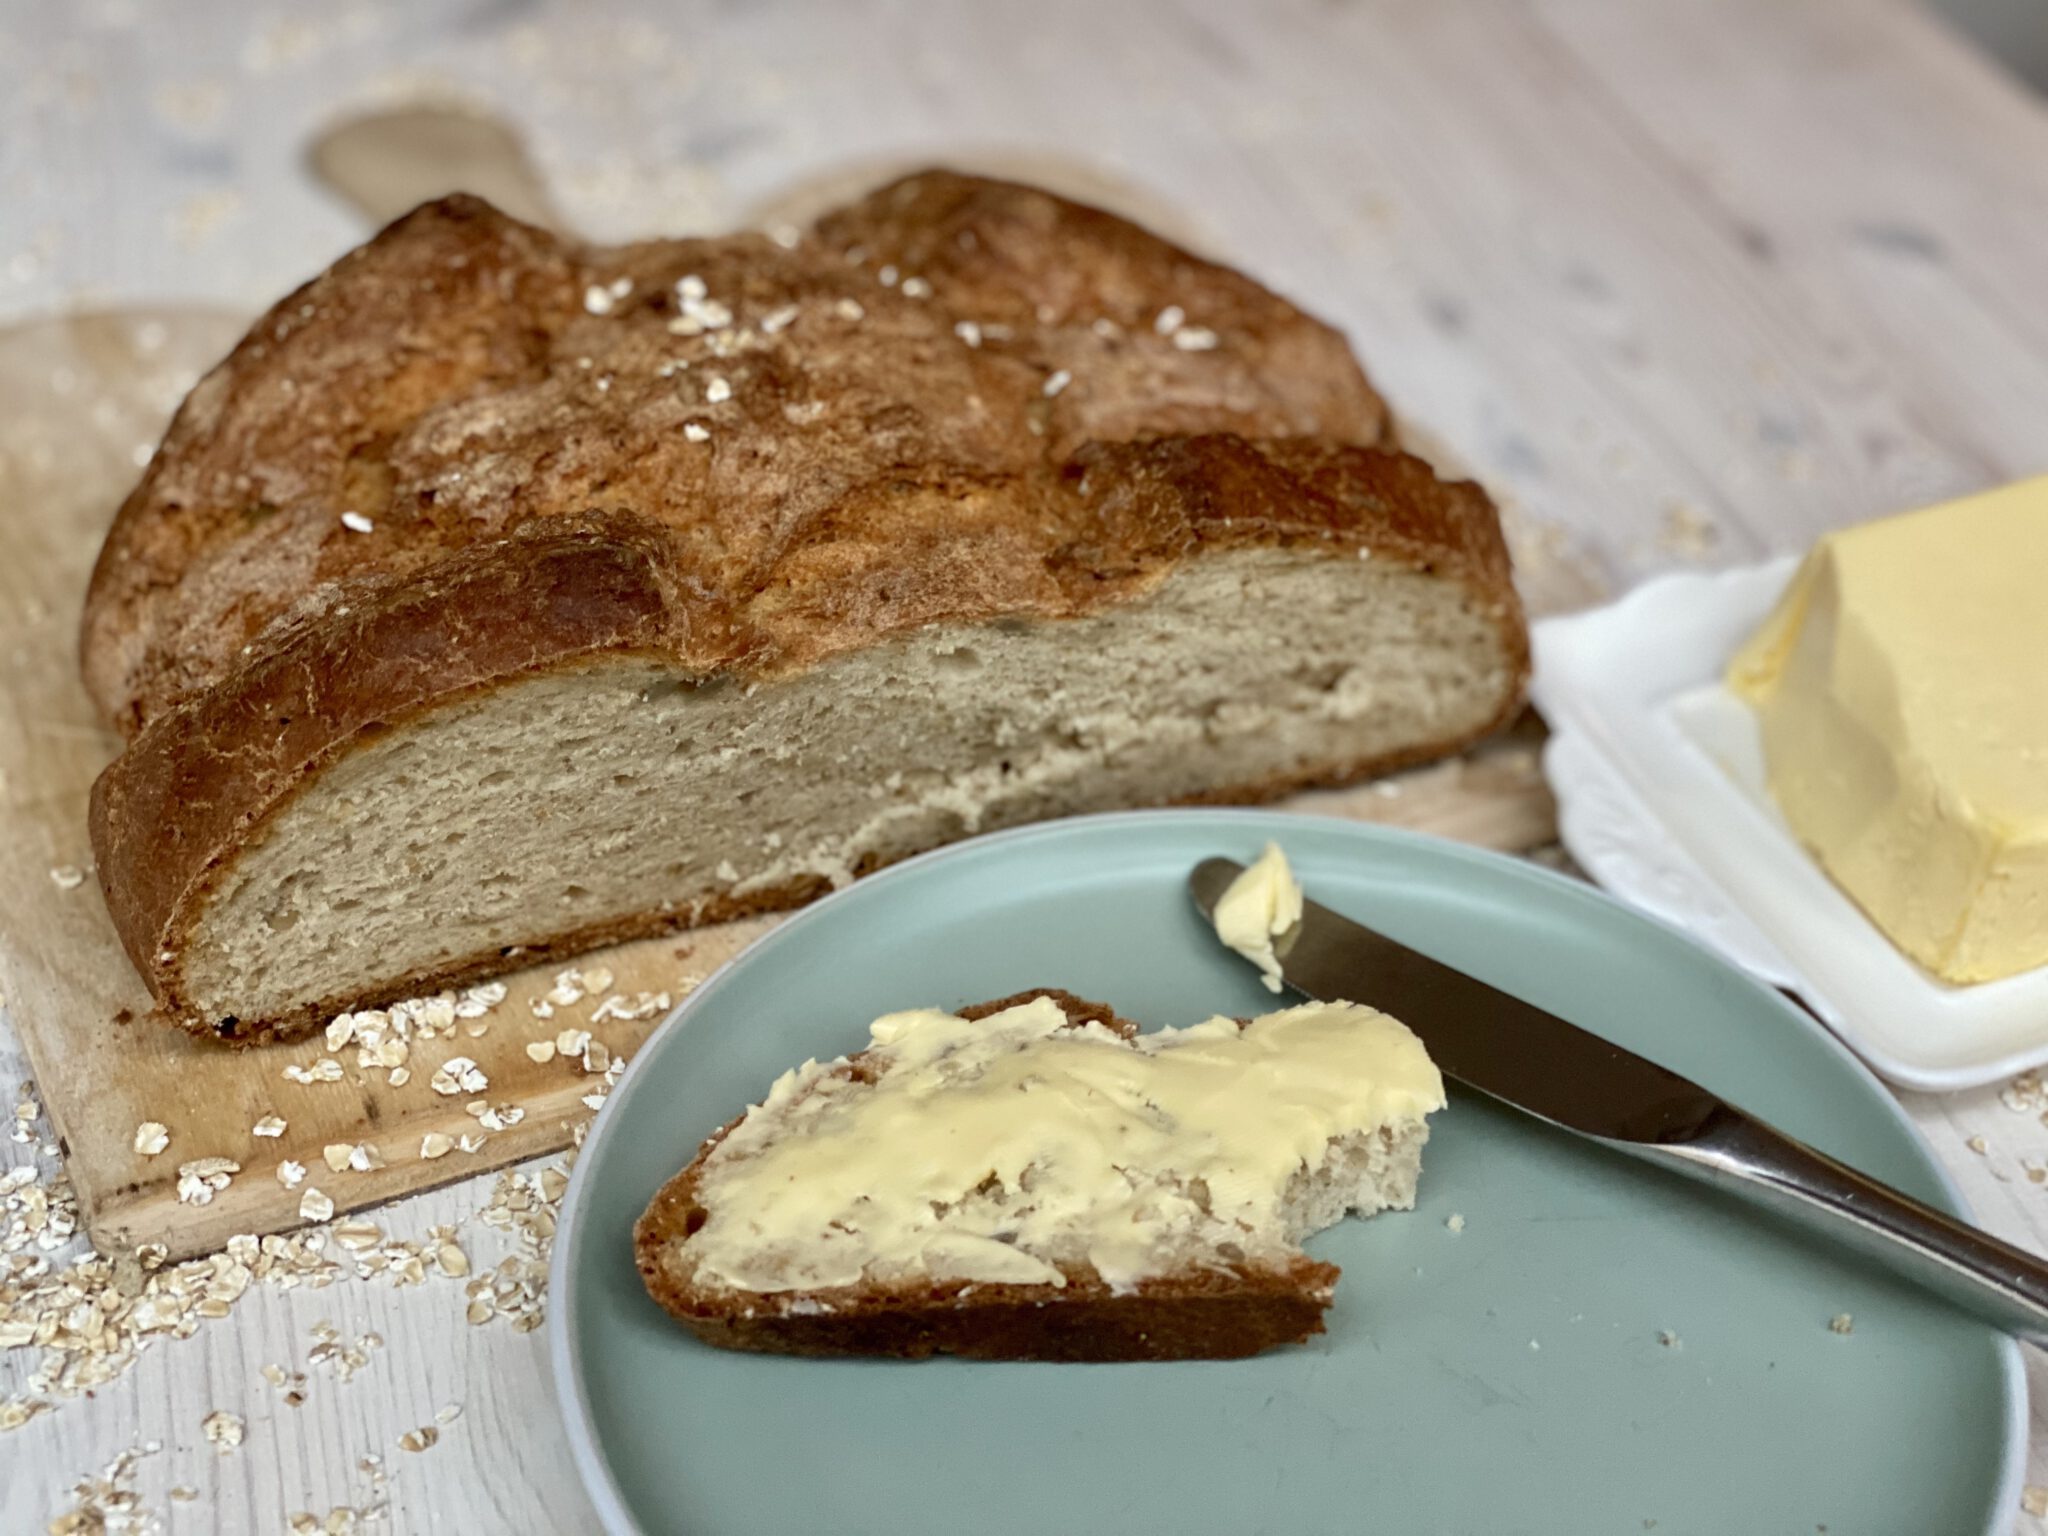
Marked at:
<point>1689,283</point>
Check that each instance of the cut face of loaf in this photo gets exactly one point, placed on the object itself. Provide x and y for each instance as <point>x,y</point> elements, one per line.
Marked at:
<point>617,797</point>
<point>1034,1179</point>
<point>504,596</point>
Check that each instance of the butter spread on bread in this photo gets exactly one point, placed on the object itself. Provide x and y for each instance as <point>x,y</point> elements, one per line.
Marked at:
<point>1043,1148</point>
<point>1902,691</point>
<point>500,597</point>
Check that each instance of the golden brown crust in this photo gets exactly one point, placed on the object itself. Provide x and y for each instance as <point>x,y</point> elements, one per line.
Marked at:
<point>1221,1314</point>
<point>447,383</point>
<point>535,501</point>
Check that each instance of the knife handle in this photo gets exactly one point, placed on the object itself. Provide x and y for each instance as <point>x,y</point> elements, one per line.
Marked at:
<point>2004,1285</point>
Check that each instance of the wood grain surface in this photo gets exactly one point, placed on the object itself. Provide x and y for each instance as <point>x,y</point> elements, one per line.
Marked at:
<point>1686,283</point>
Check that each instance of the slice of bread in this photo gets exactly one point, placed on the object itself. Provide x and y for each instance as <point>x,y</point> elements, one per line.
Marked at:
<point>969,1192</point>
<point>504,596</point>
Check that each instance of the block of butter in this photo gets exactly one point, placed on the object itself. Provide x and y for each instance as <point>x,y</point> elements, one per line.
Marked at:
<point>1901,688</point>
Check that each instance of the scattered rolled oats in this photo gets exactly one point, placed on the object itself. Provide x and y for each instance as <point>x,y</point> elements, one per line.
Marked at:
<point>644,1005</point>
<point>26,1112</point>
<point>448,1414</point>
<point>1169,320</point>
<point>290,1174</point>
<point>355,522</point>
<point>435,1144</point>
<point>459,1074</point>
<point>357,1234</point>
<point>1841,1322</point>
<point>334,1353</point>
<point>699,312</point>
<point>524,1205</point>
<point>151,1137</point>
<point>204,1177</point>
<point>1195,338</point>
<point>419,1439</point>
<point>92,1320</point>
<point>336,1155</point>
<point>2025,1094</point>
<point>364,1158</point>
<point>269,1125</point>
<point>68,877</point>
<point>597,978</point>
<point>494,1117</point>
<point>17,1411</point>
<point>719,390</point>
<point>542,1051</point>
<point>480,999</point>
<point>109,1498</point>
<point>223,1430</point>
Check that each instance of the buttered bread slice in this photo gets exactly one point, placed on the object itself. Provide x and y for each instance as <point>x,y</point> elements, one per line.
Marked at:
<point>1035,1179</point>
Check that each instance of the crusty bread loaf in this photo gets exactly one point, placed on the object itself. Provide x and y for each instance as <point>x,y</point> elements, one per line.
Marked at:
<point>500,596</point>
<point>1219,1292</point>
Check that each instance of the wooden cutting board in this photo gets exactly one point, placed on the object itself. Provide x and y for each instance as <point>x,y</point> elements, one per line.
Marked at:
<point>82,400</point>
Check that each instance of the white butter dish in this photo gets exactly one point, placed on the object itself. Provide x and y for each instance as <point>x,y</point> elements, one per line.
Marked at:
<point>1661,797</point>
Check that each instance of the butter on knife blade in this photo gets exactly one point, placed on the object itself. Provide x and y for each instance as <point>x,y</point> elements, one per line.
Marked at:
<point>1257,907</point>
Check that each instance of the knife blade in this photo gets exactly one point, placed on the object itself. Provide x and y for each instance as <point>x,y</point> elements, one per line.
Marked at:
<point>1532,1060</point>
<point>1485,1038</point>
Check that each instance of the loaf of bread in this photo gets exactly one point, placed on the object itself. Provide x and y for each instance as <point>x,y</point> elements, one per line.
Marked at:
<point>1032,1179</point>
<point>500,597</point>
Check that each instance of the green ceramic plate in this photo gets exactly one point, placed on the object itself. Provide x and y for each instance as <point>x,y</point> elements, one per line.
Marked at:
<point>1511,1377</point>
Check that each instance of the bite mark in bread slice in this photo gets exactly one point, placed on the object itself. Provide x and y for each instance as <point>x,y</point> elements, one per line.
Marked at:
<point>1052,1185</point>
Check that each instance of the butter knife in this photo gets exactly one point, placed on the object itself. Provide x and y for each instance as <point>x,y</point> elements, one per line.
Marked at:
<point>1518,1054</point>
